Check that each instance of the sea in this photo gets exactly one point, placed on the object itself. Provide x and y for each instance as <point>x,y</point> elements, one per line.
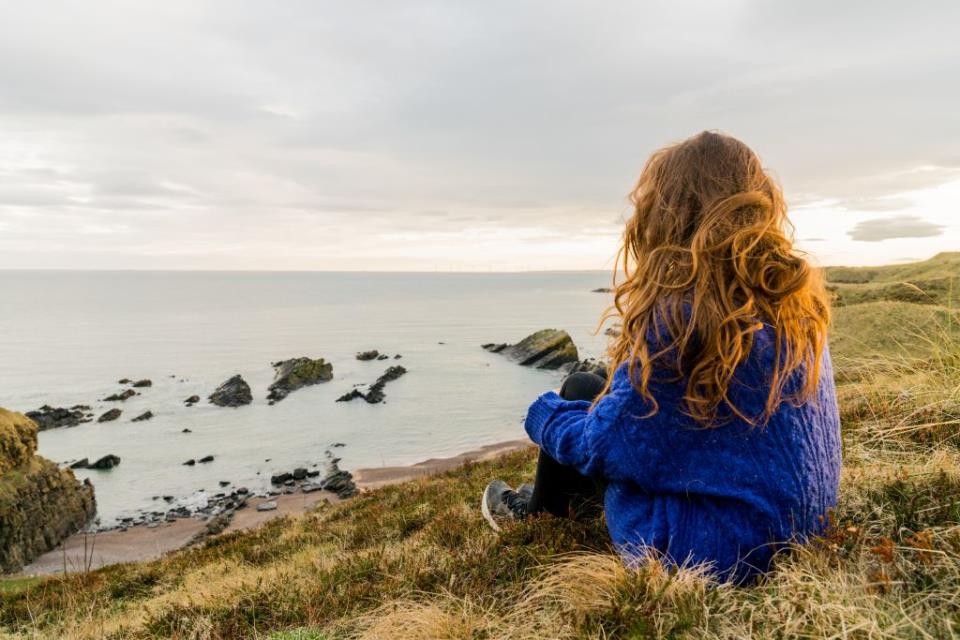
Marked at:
<point>68,337</point>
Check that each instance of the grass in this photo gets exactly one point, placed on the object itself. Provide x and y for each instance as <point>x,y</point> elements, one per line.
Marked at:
<point>416,560</point>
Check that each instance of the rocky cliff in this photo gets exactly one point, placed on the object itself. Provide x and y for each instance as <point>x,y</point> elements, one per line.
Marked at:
<point>40,504</point>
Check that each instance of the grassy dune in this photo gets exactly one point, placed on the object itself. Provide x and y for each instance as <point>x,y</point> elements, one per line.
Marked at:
<point>416,560</point>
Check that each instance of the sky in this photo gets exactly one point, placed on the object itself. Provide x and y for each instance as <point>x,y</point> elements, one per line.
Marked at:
<point>445,135</point>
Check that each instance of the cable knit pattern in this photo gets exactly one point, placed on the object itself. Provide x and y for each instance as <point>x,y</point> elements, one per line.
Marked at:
<point>730,496</point>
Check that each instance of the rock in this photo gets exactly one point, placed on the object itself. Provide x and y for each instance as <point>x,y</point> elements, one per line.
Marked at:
<point>110,416</point>
<point>120,397</point>
<point>280,478</point>
<point>143,383</point>
<point>108,461</point>
<point>296,373</point>
<point>338,444</point>
<point>205,459</point>
<point>224,483</point>
<point>243,491</point>
<point>310,487</point>
<point>124,381</point>
<point>47,417</point>
<point>382,356</point>
<point>375,393</point>
<point>269,505</point>
<point>190,462</point>
<point>545,349</point>
<point>602,290</point>
<point>368,355</point>
<point>82,463</point>
<point>590,365</point>
<point>235,392</point>
<point>313,473</point>
<point>350,395</point>
<point>299,473</point>
<point>397,357</point>
<point>146,415</point>
<point>339,482</point>
<point>186,431</point>
<point>192,400</point>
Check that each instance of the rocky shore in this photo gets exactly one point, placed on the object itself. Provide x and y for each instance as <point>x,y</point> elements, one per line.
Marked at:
<point>135,542</point>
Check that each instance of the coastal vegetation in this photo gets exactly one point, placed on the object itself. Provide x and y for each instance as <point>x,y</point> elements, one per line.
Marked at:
<point>415,560</point>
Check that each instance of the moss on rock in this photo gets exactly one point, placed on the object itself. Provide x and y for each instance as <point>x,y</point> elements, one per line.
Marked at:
<point>40,504</point>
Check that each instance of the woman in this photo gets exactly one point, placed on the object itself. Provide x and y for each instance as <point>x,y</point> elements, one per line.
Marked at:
<point>716,438</point>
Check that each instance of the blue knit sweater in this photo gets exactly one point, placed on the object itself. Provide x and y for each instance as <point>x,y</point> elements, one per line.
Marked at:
<point>730,496</point>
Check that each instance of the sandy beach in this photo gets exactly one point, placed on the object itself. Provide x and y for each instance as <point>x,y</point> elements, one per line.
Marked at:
<point>85,551</point>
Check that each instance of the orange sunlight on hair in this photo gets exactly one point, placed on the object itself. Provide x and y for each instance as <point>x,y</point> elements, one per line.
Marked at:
<point>706,259</point>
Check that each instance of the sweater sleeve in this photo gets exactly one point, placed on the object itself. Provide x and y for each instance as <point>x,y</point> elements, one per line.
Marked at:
<point>573,434</point>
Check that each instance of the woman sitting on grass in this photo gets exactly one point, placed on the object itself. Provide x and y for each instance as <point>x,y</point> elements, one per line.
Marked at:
<point>716,437</point>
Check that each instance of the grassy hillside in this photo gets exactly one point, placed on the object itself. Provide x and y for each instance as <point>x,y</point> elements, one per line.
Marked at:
<point>417,561</point>
<point>933,282</point>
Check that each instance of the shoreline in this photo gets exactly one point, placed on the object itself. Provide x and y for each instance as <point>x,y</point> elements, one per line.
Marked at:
<point>87,551</point>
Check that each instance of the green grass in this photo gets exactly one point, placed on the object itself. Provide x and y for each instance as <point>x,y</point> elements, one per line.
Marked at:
<point>13,585</point>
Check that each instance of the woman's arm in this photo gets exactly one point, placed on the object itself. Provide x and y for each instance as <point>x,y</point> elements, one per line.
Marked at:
<point>573,434</point>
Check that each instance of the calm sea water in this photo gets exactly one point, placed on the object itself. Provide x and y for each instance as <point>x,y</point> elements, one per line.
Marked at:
<point>67,338</point>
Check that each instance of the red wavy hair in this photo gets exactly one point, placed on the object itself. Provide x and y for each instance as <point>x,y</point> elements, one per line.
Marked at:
<point>706,258</point>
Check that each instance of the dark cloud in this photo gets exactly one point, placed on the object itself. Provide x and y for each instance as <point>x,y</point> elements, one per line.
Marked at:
<point>905,226</point>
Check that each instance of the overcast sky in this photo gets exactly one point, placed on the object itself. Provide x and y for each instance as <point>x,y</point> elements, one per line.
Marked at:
<point>456,135</point>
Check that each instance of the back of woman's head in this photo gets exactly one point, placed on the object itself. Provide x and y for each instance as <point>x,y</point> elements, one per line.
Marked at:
<point>706,260</point>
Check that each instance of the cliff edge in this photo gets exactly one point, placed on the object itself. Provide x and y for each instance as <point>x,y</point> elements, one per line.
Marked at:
<point>40,504</point>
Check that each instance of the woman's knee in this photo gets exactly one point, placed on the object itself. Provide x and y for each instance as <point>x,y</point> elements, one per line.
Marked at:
<point>582,385</point>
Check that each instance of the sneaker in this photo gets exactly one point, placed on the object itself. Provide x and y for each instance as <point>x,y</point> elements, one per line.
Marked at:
<point>501,502</point>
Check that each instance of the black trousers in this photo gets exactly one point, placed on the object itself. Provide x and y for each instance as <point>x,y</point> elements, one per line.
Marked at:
<point>562,490</point>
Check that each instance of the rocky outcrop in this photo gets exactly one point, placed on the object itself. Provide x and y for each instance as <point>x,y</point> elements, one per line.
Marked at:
<point>40,504</point>
<point>108,461</point>
<point>146,415</point>
<point>143,383</point>
<point>109,416</point>
<point>545,349</point>
<point>368,355</point>
<point>120,397</point>
<point>47,417</point>
<point>235,392</point>
<point>296,373</point>
<point>375,393</point>
<point>596,366</point>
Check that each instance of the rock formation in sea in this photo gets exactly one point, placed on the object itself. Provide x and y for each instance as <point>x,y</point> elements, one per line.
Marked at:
<point>545,349</point>
<point>109,416</point>
<point>235,392</point>
<point>368,355</point>
<point>120,397</point>
<point>375,393</point>
<point>295,373</point>
<point>40,504</point>
<point>47,417</point>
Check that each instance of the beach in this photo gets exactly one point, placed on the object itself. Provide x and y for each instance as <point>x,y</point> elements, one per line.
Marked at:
<point>88,551</point>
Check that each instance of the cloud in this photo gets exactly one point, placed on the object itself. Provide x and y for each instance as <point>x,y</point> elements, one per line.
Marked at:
<point>905,226</point>
<point>371,118</point>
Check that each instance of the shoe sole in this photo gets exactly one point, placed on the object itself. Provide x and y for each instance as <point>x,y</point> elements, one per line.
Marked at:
<point>485,510</point>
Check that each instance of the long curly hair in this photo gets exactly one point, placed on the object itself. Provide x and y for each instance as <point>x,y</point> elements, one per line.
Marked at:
<point>707,259</point>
